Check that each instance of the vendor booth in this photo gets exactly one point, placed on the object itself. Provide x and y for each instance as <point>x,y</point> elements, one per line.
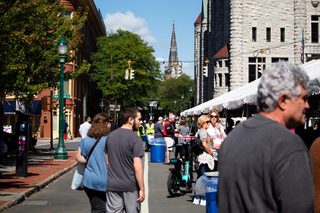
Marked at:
<point>246,95</point>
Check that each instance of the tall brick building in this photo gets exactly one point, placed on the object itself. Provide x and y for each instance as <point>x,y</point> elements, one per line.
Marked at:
<point>81,94</point>
<point>240,38</point>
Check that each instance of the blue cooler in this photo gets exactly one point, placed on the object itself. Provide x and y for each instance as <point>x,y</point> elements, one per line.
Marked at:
<point>211,181</point>
<point>158,150</point>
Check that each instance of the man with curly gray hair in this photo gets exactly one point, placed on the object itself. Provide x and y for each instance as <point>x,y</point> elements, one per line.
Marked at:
<point>264,167</point>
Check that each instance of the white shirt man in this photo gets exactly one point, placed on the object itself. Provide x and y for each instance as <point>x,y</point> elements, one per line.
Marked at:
<point>84,128</point>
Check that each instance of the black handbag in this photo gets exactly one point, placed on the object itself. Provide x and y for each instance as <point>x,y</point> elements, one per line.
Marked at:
<point>197,147</point>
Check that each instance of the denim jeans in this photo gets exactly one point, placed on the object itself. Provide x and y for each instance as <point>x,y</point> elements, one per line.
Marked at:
<point>202,169</point>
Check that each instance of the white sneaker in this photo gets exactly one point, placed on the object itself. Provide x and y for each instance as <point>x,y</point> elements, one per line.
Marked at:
<point>203,202</point>
<point>196,201</point>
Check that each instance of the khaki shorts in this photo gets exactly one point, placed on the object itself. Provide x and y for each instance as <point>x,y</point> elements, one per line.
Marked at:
<point>169,143</point>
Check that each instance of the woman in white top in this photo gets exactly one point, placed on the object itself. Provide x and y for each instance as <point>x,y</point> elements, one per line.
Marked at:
<point>206,161</point>
<point>216,132</point>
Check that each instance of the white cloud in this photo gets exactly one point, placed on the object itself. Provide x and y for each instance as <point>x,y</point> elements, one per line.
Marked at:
<point>188,69</point>
<point>128,21</point>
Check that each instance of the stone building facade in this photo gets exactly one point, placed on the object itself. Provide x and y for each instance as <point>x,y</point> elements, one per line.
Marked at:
<point>244,37</point>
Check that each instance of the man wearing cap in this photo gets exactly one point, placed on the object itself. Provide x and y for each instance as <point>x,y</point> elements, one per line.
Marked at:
<point>158,128</point>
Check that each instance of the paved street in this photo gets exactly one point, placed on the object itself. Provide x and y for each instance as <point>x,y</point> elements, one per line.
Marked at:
<point>58,196</point>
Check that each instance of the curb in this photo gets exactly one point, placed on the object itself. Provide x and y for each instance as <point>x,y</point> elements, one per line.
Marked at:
<point>36,188</point>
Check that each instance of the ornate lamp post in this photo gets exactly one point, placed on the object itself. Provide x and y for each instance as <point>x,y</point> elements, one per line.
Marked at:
<point>61,152</point>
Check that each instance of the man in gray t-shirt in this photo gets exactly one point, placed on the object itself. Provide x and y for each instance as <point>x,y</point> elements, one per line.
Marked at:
<point>263,166</point>
<point>124,148</point>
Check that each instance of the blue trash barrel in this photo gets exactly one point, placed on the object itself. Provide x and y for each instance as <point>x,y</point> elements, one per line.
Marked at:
<point>158,149</point>
<point>211,181</point>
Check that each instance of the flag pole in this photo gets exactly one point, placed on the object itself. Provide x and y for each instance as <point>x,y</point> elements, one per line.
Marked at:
<point>302,46</point>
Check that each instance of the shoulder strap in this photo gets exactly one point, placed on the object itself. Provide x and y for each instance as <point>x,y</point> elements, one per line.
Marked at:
<point>92,148</point>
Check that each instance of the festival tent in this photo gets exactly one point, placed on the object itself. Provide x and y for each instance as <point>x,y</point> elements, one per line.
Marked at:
<point>247,93</point>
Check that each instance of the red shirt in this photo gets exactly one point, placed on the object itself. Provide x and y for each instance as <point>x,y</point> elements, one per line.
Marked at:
<point>168,129</point>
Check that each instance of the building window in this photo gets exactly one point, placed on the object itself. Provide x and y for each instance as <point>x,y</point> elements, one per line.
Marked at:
<point>67,15</point>
<point>282,34</point>
<point>227,64</point>
<point>227,79</point>
<point>55,122</point>
<point>274,60</point>
<point>254,34</point>
<point>256,67</point>
<point>315,29</point>
<point>220,80</point>
<point>215,80</point>
<point>268,34</point>
<point>66,87</point>
<point>220,63</point>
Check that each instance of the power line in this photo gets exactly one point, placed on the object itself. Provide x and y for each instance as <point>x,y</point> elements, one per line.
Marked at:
<point>242,54</point>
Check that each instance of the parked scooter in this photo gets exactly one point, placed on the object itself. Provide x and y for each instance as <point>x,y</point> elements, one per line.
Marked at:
<point>181,174</point>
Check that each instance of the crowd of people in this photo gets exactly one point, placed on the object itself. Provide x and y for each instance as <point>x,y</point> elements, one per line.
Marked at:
<point>263,166</point>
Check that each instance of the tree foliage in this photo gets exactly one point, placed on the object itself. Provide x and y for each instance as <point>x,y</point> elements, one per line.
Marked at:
<point>111,61</point>
<point>171,90</point>
<point>29,33</point>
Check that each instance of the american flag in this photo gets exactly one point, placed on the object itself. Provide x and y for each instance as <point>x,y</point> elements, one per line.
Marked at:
<point>302,49</point>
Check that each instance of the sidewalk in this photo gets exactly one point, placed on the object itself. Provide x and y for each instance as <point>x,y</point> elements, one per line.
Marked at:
<point>42,170</point>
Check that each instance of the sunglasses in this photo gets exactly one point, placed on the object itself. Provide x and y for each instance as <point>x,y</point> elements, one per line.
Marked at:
<point>207,122</point>
<point>214,116</point>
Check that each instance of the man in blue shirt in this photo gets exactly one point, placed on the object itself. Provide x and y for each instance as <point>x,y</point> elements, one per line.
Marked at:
<point>158,128</point>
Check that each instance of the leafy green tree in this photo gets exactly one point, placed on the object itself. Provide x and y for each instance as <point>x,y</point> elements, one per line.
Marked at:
<point>29,33</point>
<point>116,52</point>
<point>171,90</point>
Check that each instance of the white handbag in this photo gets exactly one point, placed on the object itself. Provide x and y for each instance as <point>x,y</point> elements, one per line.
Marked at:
<point>77,179</point>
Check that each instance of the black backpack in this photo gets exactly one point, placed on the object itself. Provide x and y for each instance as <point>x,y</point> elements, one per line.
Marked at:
<point>197,147</point>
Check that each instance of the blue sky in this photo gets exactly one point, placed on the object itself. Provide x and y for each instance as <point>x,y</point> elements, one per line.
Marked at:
<point>152,20</point>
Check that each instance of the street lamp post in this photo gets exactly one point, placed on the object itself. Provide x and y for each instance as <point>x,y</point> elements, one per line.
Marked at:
<point>190,100</point>
<point>175,104</point>
<point>61,152</point>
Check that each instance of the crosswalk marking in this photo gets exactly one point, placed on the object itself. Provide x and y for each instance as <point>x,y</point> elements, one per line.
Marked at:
<point>145,203</point>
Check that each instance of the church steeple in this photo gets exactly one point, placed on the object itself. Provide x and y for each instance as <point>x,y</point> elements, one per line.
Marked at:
<point>173,62</point>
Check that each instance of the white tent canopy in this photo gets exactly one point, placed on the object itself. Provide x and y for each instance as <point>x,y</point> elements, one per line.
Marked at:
<point>247,93</point>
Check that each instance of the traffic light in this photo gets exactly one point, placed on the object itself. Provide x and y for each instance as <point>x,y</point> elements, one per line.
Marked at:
<point>260,70</point>
<point>179,71</point>
<point>44,103</point>
<point>126,76</point>
<point>131,74</point>
<point>205,70</point>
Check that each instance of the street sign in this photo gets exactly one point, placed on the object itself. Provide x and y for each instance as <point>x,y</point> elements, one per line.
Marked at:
<point>153,103</point>
<point>114,107</point>
<point>64,96</point>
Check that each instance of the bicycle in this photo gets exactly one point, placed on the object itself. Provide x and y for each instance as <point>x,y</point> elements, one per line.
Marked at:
<point>181,174</point>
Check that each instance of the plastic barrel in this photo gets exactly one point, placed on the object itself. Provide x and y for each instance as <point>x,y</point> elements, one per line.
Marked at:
<point>157,152</point>
<point>211,181</point>
<point>211,205</point>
